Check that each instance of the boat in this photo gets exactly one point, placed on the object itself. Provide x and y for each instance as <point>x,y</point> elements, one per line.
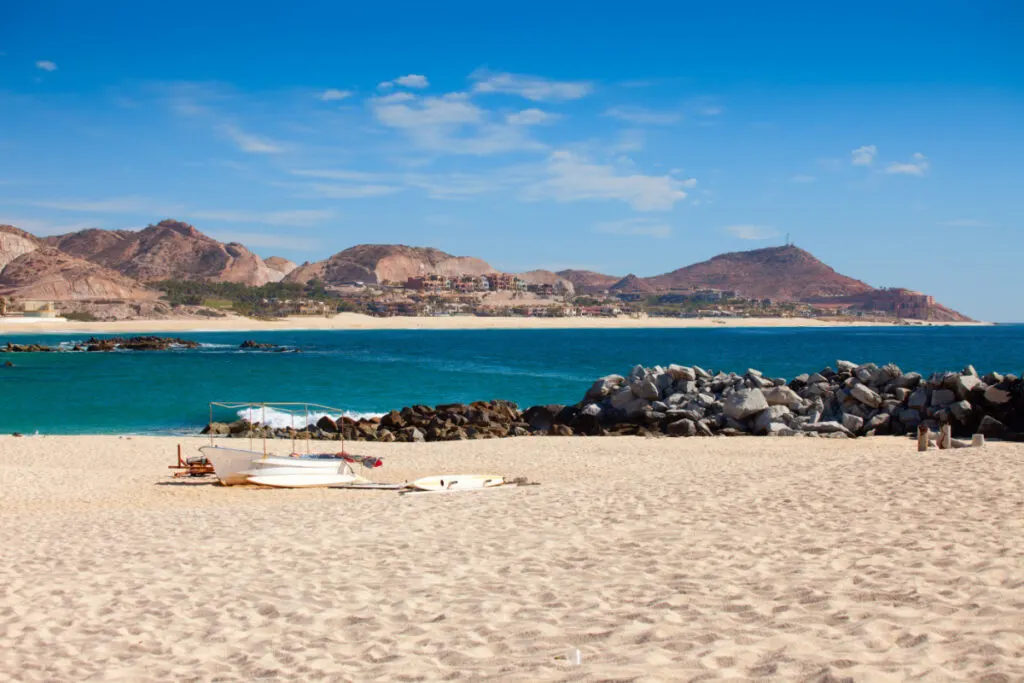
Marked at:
<point>234,466</point>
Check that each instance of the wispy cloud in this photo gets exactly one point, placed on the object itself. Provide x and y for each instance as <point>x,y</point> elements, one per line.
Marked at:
<point>638,227</point>
<point>571,178</point>
<point>333,94</point>
<point>533,88</point>
<point>136,205</point>
<point>336,174</point>
<point>300,218</point>
<point>531,117</point>
<point>752,232</point>
<point>643,116</point>
<point>863,156</point>
<point>346,191</point>
<point>964,223</point>
<point>711,110</point>
<point>253,144</point>
<point>917,165</point>
<point>802,178</point>
<point>46,65</point>
<point>43,228</point>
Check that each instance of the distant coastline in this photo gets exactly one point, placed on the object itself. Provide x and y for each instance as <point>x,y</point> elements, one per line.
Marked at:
<point>356,321</point>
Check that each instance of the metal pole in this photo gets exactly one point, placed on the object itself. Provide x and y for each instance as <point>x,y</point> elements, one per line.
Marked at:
<point>263,428</point>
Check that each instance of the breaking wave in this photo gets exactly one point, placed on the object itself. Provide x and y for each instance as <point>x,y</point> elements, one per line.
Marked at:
<point>280,419</point>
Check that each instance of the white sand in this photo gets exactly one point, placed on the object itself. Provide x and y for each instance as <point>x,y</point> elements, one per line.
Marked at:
<point>659,559</point>
<point>356,321</point>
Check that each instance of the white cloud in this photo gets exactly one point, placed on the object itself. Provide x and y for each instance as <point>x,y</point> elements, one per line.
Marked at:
<point>863,156</point>
<point>251,143</point>
<point>412,81</point>
<point>338,191</point>
<point>964,223</point>
<point>531,117</point>
<point>302,218</point>
<point>641,227</point>
<point>451,124</point>
<point>711,110</point>
<point>803,178</point>
<point>332,94</point>
<point>643,116</point>
<point>916,166</point>
<point>752,232</point>
<point>46,65</point>
<point>572,178</point>
<point>533,88</point>
<point>112,205</point>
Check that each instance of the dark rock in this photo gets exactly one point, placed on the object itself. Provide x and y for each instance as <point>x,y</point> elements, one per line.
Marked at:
<point>682,427</point>
<point>991,427</point>
<point>217,428</point>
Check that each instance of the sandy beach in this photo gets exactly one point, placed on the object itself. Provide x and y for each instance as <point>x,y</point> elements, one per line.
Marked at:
<point>357,321</point>
<point>656,559</point>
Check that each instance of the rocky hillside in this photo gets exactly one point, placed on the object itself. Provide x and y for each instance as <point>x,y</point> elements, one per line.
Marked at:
<point>14,243</point>
<point>588,281</point>
<point>47,273</point>
<point>169,250</point>
<point>774,273</point>
<point>373,263</point>
<point>279,267</point>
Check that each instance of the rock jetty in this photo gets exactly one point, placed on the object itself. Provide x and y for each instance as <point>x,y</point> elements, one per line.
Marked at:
<point>143,343</point>
<point>853,400</point>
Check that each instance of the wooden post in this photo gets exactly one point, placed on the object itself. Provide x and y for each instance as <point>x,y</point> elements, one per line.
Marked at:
<point>922,438</point>
<point>946,436</point>
<point>978,440</point>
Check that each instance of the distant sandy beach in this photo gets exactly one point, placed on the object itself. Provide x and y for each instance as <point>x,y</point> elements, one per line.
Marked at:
<point>654,559</point>
<point>355,321</point>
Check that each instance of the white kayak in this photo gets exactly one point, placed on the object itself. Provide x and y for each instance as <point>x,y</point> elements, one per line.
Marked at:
<point>456,482</point>
<point>299,481</point>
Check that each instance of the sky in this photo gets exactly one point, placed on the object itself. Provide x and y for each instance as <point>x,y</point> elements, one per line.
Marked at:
<point>885,138</point>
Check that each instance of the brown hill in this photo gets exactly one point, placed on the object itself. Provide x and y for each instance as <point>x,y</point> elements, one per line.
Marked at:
<point>587,281</point>
<point>46,273</point>
<point>14,243</point>
<point>631,284</point>
<point>279,267</point>
<point>787,273</point>
<point>169,250</point>
<point>377,263</point>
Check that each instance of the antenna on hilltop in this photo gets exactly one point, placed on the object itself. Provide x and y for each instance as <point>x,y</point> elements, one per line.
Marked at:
<point>789,242</point>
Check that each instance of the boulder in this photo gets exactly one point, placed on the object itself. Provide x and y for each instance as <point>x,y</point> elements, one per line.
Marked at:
<point>965,384</point>
<point>961,410</point>
<point>766,418</point>
<point>829,427</point>
<point>603,387</point>
<point>997,395</point>
<point>541,418</point>
<point>560,430</point>
<point>217,429</point>
<point>682,427</point>
<point>679,372</point>
<point>646,389</point>
<point>622,397</point>
<point>744,403</point>
<point>918,399</point>
<point>852,422</point>
<point>991,427</point>
<point>878,423</point>
<point>942,398</point>
<point>845,366</point>
<point>909,380</point>
<point>866,395</point>
<point>701,372</point>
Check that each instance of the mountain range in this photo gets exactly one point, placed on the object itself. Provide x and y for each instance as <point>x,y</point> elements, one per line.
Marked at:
<point>123,264</point>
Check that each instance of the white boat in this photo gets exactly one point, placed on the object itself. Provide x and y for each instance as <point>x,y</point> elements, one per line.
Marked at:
<point>457,482</point>
<point>236,466</point>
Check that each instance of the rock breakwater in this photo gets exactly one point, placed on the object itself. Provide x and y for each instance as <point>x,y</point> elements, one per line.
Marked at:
<point>853,400</point>
<point>144,343</point>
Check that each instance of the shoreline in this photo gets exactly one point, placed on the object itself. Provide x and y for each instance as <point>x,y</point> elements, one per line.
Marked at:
<point>356,321</point>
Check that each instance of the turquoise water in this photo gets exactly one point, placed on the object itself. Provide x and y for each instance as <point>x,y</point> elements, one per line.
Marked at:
<point>375,371</point>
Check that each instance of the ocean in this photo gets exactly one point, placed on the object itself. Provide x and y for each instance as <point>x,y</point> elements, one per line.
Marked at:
<point>373,371</point>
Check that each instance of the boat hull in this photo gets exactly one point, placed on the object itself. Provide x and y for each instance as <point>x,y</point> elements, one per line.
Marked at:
<point>235,466</point>
<point>457,482</point>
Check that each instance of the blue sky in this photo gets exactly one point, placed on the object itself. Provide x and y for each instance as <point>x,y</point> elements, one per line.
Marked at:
<point>885,138</point>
